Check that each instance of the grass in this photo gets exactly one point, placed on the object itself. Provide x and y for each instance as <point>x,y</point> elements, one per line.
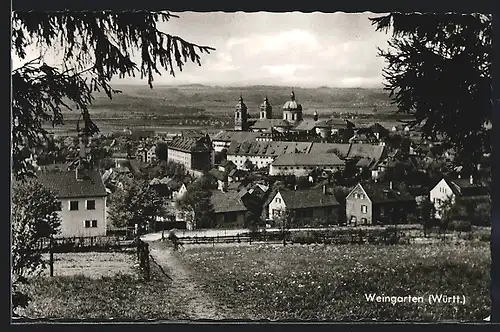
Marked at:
<point>122,296</point>
<point>93,264</point>
<point>330,282</point>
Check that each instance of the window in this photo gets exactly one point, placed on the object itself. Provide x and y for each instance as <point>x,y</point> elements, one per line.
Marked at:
<point>90,223</point>
<point>73,205</point>
<point>278,200</point>
<point>364,209</point>
<point>90,204</point>
<point>355,195</point>
<point>364,221</point>
<point>362,196</point>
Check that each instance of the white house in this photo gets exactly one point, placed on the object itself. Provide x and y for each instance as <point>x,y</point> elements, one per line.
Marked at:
<point>151,153</point>
<point>195,153</point>
<point>454,188</point>
<point>305,204</point>
<point>262,154</point>
<point>223,139</point>
<point>83,201</point>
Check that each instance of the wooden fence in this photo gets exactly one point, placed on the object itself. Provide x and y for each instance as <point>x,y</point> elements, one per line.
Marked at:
<point>96,244</point>
<point>389,235</point>
<point>85,244</point>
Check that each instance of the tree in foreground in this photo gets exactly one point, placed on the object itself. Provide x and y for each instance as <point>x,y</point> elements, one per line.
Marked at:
<point>137,204</point>
<point>94,47</point>
<point>196,202</point>
<point>439,70</point>
<point>34,219</point>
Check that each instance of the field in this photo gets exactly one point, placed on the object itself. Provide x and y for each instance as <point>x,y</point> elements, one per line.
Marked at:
<point>102,286</point>
<point>319,282</point>
<point>93,265</point>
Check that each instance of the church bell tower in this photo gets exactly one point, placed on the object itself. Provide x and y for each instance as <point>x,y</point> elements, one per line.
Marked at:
<point>241,116</point>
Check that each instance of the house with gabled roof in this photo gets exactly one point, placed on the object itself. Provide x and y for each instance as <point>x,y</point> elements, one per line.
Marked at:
<point>455,189</point>
<point>373,203</point>
<point>83,201</point>
<point>312,203</point>
<point>229,208</point>
<point>195,153</point>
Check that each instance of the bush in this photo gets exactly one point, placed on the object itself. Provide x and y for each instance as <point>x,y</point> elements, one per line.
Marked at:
<point>306,237</point>
<point>460,226</point>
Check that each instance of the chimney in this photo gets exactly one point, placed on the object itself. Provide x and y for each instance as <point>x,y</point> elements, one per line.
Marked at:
<point>471,179</point>
<point>315,116</point>
<point>324,189</point>
<point>390,185</point>
<point>459,176</point>
<point>295,187</point>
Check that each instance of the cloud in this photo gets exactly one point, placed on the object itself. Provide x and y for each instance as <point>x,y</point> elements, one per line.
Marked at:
<point>285,70</point>
<point>292,49</point>
<point>284,42</point>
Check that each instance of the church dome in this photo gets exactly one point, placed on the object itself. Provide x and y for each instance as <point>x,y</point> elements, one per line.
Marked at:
<point>292,104</point>
<point>241,105</point>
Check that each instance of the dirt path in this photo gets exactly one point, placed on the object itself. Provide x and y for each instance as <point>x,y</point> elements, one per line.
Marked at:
<point>198,304</point>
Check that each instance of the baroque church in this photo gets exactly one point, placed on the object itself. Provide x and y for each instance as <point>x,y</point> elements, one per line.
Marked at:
<point>292,120</point>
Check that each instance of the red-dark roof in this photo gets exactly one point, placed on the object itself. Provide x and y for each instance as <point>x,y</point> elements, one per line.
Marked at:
<point>190,144</point>
<point>380,192</point>
<point>308,159</point>
<point>227,201</point>
<point>300,199</point>
<point>463,187</point>
<point>65,185</point>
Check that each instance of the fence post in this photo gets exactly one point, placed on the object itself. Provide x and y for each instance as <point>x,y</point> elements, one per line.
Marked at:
<point>51,262</point>
<point>146,254</point>
<point>139,249</point>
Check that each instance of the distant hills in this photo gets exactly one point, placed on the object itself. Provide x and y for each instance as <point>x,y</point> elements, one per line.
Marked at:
<point>214,99</point>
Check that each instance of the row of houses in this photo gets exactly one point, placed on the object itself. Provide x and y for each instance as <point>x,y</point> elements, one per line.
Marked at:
<point>83,198</point>
<point>367,203</point>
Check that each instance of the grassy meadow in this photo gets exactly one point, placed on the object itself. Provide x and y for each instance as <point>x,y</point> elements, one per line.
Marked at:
<point>83,288</point>
<point>272,282</point>
<point>318,282</point>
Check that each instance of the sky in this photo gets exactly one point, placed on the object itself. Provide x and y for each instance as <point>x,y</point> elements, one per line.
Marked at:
<point>287,49</point>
